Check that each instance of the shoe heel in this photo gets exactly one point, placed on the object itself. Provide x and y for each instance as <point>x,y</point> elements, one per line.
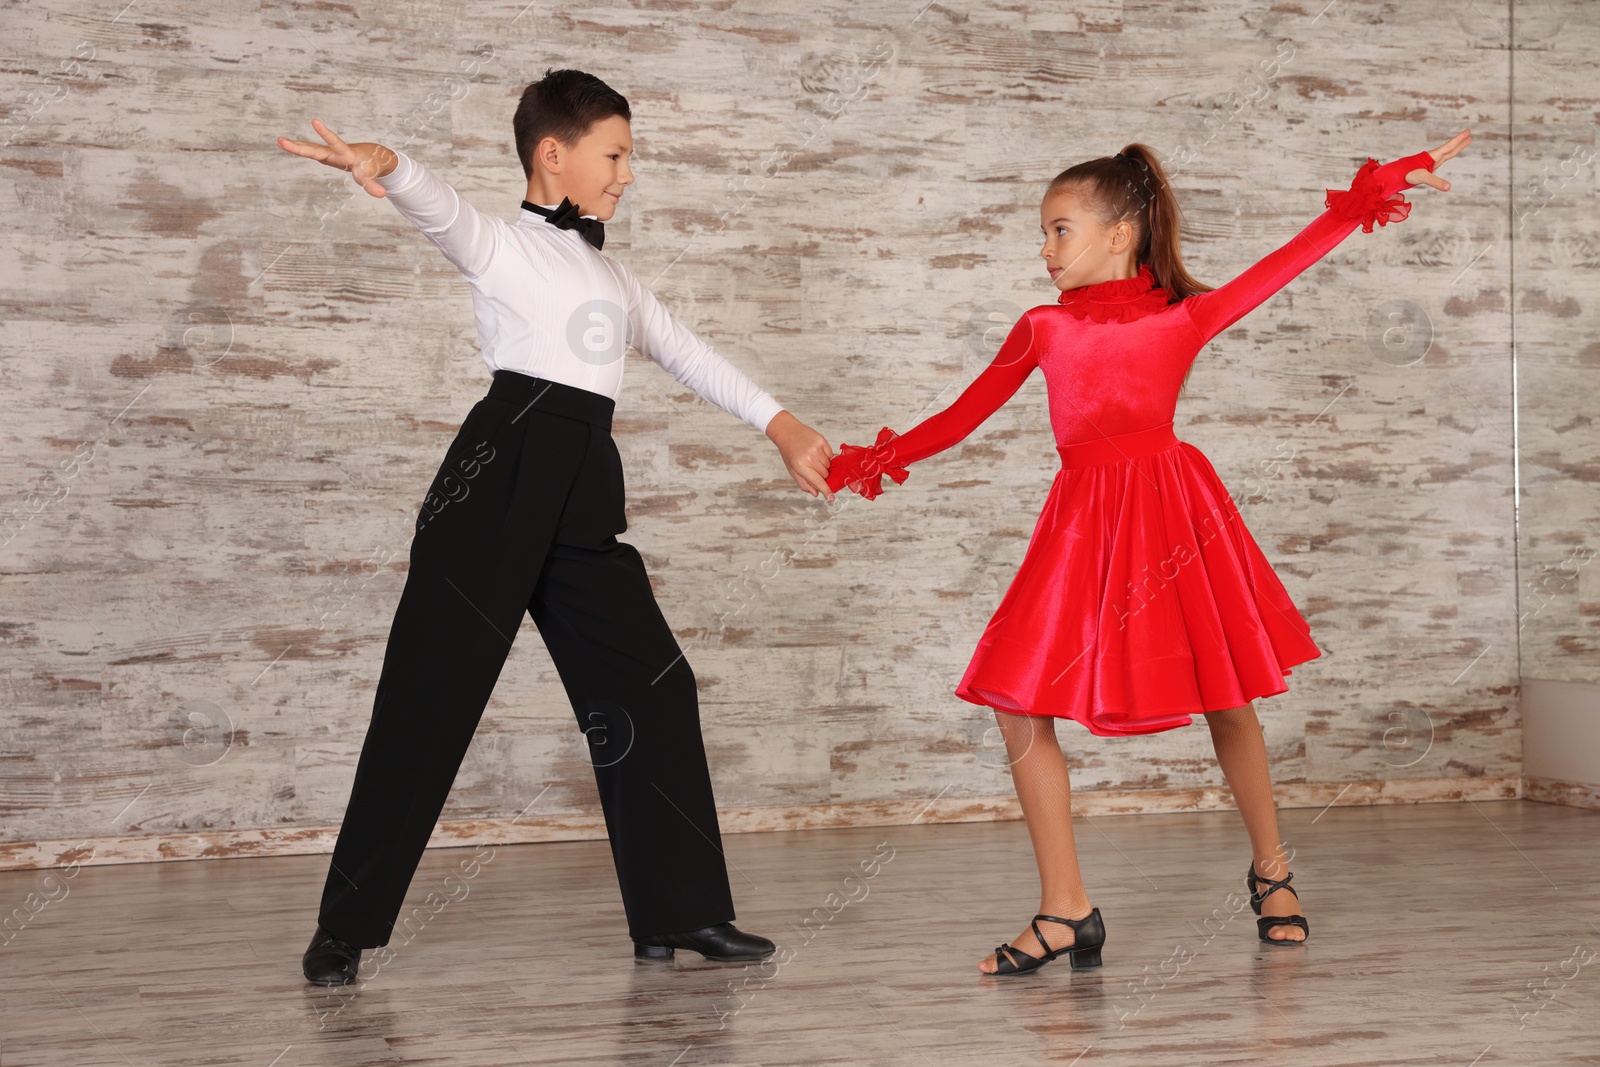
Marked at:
<point>1083,958</point>
<point>651,952</point>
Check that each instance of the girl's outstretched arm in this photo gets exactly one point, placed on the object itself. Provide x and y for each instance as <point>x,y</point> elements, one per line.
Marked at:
<point>862,469</point>
<point>1372,198</point>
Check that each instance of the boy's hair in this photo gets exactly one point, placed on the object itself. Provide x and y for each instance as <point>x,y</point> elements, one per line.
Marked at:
<point>1131,185</point>
<point>563,104</point>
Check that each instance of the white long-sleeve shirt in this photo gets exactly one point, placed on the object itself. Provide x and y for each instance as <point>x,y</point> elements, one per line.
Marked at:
<point>552,306</point>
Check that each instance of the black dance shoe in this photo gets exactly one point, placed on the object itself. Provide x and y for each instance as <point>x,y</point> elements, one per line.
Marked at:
<point>723,942</point>
<point>1088,934</point>
<point>329,961</point>
<point>1268,922</point>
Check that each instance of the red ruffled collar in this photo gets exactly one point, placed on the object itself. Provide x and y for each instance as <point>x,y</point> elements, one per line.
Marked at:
<point>1119,300</point>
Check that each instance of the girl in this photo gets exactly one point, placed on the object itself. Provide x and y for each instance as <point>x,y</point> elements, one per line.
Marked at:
<point>1141,599</point>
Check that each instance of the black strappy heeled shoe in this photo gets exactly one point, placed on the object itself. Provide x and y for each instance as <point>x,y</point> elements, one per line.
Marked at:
<point>1269,922</point>
<point>1088,934</point>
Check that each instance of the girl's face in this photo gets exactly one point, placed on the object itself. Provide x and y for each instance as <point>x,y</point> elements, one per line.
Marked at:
<point>1079,249</point>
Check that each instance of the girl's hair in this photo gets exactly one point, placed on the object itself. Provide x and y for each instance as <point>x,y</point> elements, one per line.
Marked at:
<point>1131,185</point>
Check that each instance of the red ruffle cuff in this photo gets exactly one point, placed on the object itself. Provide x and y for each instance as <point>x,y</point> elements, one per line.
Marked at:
<point>862,469</point>
<point>1368,202</point>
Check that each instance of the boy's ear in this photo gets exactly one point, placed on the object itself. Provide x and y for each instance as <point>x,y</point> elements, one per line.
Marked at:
<point>549,153</point>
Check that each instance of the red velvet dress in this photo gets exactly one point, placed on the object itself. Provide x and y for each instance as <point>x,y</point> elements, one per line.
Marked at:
<point>1142,599</point>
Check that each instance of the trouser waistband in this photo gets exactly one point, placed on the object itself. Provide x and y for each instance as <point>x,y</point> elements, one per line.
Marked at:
<point>555,398</point>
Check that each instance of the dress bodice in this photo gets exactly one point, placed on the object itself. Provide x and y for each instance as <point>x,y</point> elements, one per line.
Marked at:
<point>1113,356</point>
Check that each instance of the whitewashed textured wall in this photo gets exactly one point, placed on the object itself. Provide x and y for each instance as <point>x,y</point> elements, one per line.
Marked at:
<point>228,376</point>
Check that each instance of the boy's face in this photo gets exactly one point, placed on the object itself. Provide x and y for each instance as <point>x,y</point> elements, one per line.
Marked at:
<point>593,172</point>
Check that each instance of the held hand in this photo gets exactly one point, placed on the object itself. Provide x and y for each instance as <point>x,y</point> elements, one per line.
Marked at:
<point>805,452</point>
<point>1449,150</point>
<point>365,160</point>
<point>862,469</point>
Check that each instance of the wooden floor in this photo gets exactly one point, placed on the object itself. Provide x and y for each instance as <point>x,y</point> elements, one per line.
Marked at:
<point>1442,934</point>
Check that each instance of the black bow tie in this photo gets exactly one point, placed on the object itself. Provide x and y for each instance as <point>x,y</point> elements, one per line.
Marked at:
<point>566,217</point>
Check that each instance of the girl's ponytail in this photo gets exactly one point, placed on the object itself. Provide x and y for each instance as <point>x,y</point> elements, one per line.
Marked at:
<point>1163,225</point>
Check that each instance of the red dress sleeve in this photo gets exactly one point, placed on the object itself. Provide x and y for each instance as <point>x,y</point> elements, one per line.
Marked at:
<point>1373,197</point>
<point>863,468</point>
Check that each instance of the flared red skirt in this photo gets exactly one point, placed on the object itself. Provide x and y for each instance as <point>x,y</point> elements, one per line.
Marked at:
<point>1142,599</point>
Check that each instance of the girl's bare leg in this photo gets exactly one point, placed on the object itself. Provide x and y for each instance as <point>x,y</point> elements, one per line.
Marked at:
<point>1039,771</point>
<point>1242,754</point>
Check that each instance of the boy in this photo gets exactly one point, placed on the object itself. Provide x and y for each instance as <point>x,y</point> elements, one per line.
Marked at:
<point>523,516</point>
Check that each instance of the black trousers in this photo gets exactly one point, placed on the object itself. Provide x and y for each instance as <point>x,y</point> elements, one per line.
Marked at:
<point>523,516</point>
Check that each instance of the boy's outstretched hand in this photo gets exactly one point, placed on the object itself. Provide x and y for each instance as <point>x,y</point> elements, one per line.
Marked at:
<point>805,452</point>
<point>365,160</point>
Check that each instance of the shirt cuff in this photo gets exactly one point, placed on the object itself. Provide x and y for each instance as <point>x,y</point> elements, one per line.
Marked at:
<point>762,413</point>
<point>401,175</point>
